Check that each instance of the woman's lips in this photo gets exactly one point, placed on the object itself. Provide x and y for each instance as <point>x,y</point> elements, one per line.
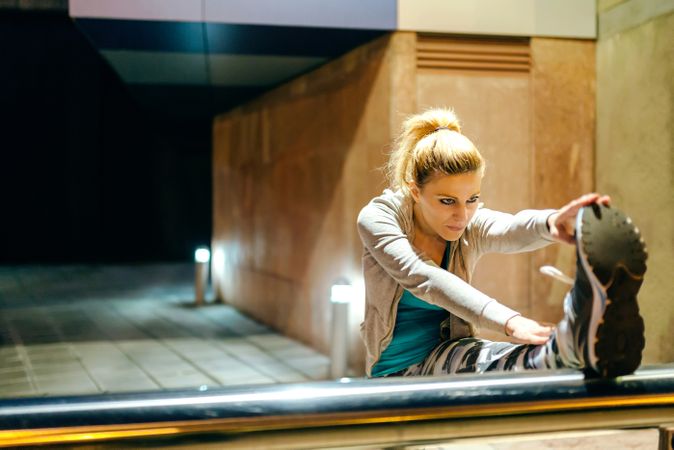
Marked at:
<point>453,228</point>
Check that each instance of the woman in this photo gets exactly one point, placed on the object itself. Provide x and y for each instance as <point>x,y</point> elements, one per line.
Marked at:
<point>423,239</point>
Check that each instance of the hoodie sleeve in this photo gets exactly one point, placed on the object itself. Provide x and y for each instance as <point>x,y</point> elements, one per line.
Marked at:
<point>498,232</point>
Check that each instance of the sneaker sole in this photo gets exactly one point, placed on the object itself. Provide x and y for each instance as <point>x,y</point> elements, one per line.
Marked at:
<point>613,255</point>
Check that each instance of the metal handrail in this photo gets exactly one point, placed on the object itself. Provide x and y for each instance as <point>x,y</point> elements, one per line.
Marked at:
<point>344,403</point>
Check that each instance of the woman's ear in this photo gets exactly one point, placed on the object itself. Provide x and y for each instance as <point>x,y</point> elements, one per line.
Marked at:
<point>414,190</point>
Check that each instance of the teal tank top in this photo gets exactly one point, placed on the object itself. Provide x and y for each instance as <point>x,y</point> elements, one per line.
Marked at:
<point>415,334</point>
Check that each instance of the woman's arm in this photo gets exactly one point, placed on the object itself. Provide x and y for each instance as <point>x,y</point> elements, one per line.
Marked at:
<point>498,232</point>
<point>384,239</point>
<point>561,224</point>
<point>529,229</point>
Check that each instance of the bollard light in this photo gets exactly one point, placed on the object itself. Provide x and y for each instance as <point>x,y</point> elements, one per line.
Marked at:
<point>341,294</point>
<point>202,257</point>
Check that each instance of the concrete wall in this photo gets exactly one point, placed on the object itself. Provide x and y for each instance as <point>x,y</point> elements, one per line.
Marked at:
<point>563,134</point>
<point>635,144</point>
<point>291,172</point>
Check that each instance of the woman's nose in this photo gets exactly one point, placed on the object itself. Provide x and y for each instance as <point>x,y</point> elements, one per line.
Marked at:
<point>461,212</point>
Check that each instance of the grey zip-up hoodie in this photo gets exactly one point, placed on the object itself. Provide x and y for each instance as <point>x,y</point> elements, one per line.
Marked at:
<point>392,264</point>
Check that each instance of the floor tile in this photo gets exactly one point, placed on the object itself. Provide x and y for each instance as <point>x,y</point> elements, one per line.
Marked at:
<point>124,380</point>
<point>59,385</point>
<point>62,369</point>
<point>14,378</point>
<point>17,389</point>
<point>128,385</point>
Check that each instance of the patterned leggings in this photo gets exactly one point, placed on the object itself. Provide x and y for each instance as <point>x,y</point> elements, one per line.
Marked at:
<point>473,355</point>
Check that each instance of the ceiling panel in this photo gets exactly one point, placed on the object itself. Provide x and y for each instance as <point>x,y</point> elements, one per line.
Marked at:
<point>166,10</point>
<point>258,70</point>
<point>346,14</point>
<point>143,67</point>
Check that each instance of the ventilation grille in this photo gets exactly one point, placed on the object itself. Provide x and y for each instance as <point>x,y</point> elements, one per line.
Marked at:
<point>464,54</point>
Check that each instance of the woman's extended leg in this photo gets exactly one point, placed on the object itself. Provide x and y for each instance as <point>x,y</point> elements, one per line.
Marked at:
<point>601,329</point>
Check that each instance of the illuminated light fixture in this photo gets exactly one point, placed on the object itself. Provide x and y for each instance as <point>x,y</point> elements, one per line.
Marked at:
<point>341,294</point>
<point>202,257</point>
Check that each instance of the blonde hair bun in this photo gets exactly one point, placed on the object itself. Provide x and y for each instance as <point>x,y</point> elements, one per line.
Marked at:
<point>431,143</point>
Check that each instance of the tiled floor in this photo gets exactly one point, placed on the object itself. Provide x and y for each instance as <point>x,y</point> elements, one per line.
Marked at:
<point>85,329</point>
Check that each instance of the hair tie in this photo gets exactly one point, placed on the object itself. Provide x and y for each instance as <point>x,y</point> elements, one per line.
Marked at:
<point>440,128</point>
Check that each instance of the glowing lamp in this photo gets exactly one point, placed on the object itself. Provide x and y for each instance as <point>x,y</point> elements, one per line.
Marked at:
<point>341,294</point>
<point>202,257</point>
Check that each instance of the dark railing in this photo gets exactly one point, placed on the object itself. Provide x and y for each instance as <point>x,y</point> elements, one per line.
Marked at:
<point>465,405</point>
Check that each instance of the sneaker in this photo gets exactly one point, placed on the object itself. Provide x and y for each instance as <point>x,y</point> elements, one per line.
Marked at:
<point>611,265</point>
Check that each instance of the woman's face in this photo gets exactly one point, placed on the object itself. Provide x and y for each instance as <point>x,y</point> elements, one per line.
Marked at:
<point>445,204</point>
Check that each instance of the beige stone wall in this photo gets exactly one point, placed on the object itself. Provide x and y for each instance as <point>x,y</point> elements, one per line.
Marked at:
<point>563,134</point>
<point>635,145</point>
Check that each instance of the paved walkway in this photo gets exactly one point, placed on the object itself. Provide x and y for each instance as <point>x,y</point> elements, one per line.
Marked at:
<point>86,329</point>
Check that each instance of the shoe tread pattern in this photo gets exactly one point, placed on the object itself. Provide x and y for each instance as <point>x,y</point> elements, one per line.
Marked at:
<point>617,255</point>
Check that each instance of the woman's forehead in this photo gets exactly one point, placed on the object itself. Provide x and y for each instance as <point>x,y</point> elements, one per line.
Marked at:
<point>460,185</point>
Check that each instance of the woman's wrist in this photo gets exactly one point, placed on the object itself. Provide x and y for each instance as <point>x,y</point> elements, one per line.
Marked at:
<point>509,328</point>
<point>550,220</point>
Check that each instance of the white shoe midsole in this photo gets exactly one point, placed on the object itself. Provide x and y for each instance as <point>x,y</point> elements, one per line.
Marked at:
<point>598,297</point>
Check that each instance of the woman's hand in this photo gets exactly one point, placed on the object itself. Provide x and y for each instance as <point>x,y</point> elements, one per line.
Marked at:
<point>562,224</point>
<point>527,331</point>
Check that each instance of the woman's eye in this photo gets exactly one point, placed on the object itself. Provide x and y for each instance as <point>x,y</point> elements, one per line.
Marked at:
<point>473,200</point>
<point>447,201</point>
